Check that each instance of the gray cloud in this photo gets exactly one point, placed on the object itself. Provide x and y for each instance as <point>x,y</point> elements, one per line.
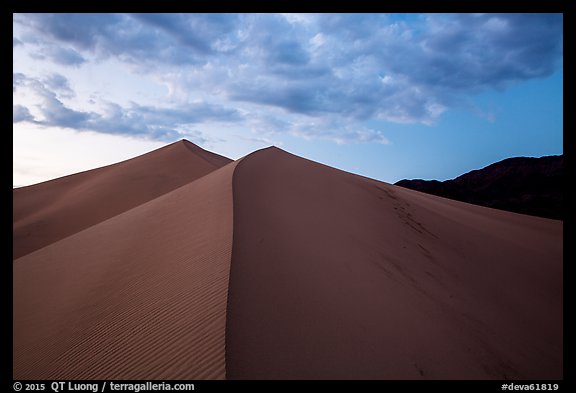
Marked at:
<point>58,55</point>
<point>55,113</point>
<point>474,52</point>
<point>59,84</point>
<point>401,72</point>
<point>18,79</point>
<point>290,53</point>
<point>296,98</point>
<point>65,56</point>
<point>198,32</point>
<point>20,113</point>
<point>84,31</point>
<point>145,121</point>
<point>144,40</point>
<point>348,67</point>
<point>157,123</point>
<point>365,66</point>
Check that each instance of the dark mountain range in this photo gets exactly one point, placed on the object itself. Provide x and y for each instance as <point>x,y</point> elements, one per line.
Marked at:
<point>524,185</point>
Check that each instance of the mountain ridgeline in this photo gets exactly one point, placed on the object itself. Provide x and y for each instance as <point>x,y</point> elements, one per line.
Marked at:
<point>526,185</point>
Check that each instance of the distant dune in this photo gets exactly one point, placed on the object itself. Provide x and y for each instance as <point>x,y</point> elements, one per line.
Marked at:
<point>181,264</point>
<point>52,210</point>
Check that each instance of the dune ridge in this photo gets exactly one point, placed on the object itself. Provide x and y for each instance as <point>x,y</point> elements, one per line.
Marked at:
<point>359,279</point>
<point>276,267</point>
<point>141,295</point>
<point>46,212</point>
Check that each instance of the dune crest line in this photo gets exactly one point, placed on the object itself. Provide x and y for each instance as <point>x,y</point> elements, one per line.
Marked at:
<point>276,267</point>
<point>337,276</point>
<point>50,211</point>
<point>141,295</point>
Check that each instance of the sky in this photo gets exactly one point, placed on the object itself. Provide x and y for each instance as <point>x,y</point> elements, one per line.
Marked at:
<point>388,96</point>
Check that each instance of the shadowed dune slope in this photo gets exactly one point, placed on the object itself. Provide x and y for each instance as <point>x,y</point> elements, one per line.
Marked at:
<point>141,295</point>
<point>47,212</point>
<point>338,276</point>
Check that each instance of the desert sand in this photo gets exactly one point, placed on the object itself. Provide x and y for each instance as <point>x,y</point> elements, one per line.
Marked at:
<point>276,267</point>
<point>338,276</point>
<point>141,295</point>
<point>52,210</point>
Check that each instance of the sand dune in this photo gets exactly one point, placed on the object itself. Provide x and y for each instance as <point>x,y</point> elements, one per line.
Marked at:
<point>364,280</point>
<point>139,296</point>
<point>276,267</point>
<point>50,211</point>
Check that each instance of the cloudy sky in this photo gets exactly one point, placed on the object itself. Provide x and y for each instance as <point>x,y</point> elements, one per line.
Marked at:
<point>388,96</point>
